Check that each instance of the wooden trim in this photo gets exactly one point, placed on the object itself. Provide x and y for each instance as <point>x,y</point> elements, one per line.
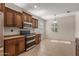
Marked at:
<point>27,13</point>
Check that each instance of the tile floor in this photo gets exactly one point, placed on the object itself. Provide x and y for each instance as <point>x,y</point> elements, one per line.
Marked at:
<point>52,48</point>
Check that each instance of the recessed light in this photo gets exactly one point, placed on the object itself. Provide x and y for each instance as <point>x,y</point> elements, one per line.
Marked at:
<point>35,6</point>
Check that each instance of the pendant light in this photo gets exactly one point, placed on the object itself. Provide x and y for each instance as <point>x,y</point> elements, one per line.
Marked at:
<point>55,21</point>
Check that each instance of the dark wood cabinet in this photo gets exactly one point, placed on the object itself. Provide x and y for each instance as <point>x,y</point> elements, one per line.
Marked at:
<point>37,38</point>
<point>9,17</point>
<point>27,17</point>
<point>2,5</point>
<point>10,47</point>
<point>77,47</point>
<point>21,45</point>
<point>18,19</point>
<point>34,23</point>
<point>30,18</point>
<point>14,46</point>
<point>12,18</point>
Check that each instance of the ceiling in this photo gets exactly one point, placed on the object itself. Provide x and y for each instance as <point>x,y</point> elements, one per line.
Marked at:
<point>48,10</point>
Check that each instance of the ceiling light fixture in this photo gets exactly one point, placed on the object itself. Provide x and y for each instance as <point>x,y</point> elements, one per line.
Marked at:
<point>55,21</point>
<point>35,6</point>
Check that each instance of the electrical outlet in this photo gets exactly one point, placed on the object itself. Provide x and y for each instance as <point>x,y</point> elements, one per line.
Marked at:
<point>11,30</point>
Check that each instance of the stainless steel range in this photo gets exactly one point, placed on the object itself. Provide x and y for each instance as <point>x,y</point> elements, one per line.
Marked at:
<point>29,39</point>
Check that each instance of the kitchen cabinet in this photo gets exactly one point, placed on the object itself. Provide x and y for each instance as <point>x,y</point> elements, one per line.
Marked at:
<point>27,17</point>
<point>30,18</point>
<point>14,46</point>
<point>34,23</point>
<point>10,47</point>
<point>21,45</point>
<point>9,17</point>
<point>77,47</point>
<point>12,18</point>
<point>2,6</point>
<point>37,38</point>
<point>18,19</point>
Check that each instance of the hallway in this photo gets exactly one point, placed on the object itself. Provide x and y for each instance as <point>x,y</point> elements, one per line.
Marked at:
<point>51,48</point>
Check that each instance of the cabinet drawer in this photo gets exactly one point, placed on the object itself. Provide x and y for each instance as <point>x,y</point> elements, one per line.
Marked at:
<point>21,39</point>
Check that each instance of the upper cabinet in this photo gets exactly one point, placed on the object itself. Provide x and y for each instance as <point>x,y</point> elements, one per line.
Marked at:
<point>18,19</point>
<point>2,5</point>
<point>12,18</point>
<point>34,23</point>
<point>9,17</point>
<point>30,18</point>
<point>27,17</point>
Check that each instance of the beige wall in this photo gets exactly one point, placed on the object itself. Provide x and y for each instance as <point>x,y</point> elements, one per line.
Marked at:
<point>66,31</point>
<point>66,28</point>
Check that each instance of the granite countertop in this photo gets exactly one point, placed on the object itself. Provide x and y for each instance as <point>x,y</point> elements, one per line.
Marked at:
<point>11,37</point>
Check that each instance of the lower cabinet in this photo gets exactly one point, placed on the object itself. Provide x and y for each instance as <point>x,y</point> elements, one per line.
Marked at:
<point>77,47</point>
<point>21,45</point>
<point>37,38</point>
<point>10,48</point>
<point>13,47</point>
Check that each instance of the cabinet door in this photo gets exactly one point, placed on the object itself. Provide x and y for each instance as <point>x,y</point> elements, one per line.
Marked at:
<point>21,45</point>
<point>10,48</point>
<point>24,17</point>
<point>33,22</point>
<point>77,47</point>
<point>9,17</point>
<point>2,6</point>
<point>36,23</point>
<point>27,17</point>
<point>38,38</point>
<point>30,18</point>
<point>18,19</point>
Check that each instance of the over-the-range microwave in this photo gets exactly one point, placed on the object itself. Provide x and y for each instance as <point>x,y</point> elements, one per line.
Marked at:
<point>27,25</point>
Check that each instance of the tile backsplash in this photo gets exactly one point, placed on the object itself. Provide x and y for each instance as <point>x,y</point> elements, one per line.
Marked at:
<point>11,31</point>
